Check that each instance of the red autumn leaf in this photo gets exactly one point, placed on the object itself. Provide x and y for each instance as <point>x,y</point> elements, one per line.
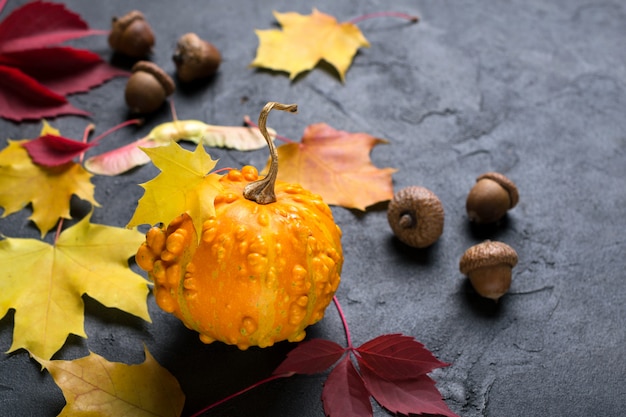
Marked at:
<point>35,75</point>
<point>344,393</point>
<point>311,357</point>
<point>37,24</point>
<point>396,356</point>
<point>22,97</point>
<point>63,70</point>
<point>53,150</point>
<point>405,396</point>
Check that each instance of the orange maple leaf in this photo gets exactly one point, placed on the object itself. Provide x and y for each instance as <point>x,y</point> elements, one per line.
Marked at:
<point>305,40</point>
<point>94,386</point>
<point>336,165</point>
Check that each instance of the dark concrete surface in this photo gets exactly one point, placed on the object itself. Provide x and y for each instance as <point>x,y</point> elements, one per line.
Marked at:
<point>533,89</point>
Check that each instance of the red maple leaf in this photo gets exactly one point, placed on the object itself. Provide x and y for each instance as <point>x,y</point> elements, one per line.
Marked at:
<point>36,73</point>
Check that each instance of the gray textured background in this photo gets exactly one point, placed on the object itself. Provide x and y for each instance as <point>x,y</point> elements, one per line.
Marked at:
<point>533,89</point>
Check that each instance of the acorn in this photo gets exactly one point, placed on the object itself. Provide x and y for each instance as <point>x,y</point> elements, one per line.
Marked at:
<point>488,266</point>
<point>195,58</point>
<point>131,35</point>
<point>147,88</point>
<point>491,197</point>
<point>416,216</point>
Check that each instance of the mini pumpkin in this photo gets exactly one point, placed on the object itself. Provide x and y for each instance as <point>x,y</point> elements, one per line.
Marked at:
<point>262,269</point>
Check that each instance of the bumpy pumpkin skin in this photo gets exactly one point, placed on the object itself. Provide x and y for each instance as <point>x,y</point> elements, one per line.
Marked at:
<point>259,274</point>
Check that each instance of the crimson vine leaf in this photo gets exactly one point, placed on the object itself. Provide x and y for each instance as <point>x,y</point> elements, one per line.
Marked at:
<point>22,97</point>
<point>344,392</point>
<point>52,150</point>
<point>311,357</point>
<point>38,24</point>
<point>396,356</point>
<point>36,73</point>
<point>417,395</point>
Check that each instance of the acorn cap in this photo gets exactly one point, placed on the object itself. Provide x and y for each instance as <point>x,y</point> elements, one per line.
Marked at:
<point>152,68</point>
<point>416,216</point>
<point>488,253</point>
<point>505,183</point>
<point>123,22</point>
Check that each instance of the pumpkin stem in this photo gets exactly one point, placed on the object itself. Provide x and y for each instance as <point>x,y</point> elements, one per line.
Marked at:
<point>262,191</point>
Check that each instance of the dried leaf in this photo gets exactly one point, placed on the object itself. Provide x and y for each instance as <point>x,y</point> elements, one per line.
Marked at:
<point>305,40</point>
<point>49,190</point>
<point>36,73</point>
<point>93,386</point>
<point>311,357</point>
<point>344,392</point>
<point>185,185</point>
<point>405,396</point>
<point>44,283</point>
<point>130,156</point>
<point>395,356</point>
<point>336,165</point>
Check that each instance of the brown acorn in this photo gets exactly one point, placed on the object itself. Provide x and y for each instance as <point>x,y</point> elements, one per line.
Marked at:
<point>491,197</point>
<point>147,88</point>
<point>416,216</point>
<point>488,266</point>
<point>131,35</point>
<point>195,58</point>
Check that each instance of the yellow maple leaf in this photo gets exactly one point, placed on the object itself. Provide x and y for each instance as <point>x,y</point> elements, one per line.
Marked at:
<point>47,189</point>
<point>185,185</point>
<point>305,40</point>
<point>93,386</point>
<point>336,165</point>
<point>44,283</point>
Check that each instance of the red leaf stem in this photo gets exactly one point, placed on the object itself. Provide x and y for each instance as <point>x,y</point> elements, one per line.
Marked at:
<point>344,322</point>
<point>107,132</point>
<point>238,393</point>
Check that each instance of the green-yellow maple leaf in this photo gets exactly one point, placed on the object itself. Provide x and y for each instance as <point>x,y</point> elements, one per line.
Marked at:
<point>93,386</point>
<point>44,283</point>
<point>185,185</point>
<point>47,189</point>
<point>305,40</point>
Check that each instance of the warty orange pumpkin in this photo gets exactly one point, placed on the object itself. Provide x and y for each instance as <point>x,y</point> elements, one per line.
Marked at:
<point>261,270</point>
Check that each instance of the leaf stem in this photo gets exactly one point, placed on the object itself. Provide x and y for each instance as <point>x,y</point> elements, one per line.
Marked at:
<point>411,18</point>
<point>243,391</point>
<point>262,191</point>
<point>58,232</point>
<point>344,322</point>
<point>114,128</point>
